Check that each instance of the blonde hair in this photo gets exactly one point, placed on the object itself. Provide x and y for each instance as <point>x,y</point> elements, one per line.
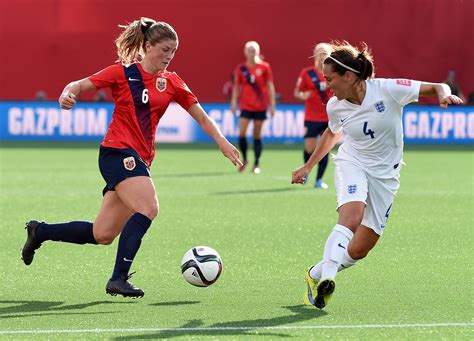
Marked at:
<point>256,46</point>
<point>321,52</point>
<point>346,57</point>
<point>131,42</point>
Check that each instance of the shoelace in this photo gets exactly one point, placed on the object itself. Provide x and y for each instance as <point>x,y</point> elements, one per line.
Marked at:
<point>130,275</point>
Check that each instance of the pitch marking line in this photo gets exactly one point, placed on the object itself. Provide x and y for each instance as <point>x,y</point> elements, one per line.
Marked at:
<point>135,330</point>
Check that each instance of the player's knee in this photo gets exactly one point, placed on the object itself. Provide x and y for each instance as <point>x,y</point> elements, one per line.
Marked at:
<point>104,238</point>
<point>151,210</point>
<point>357,252</point>
<point>351,222</point>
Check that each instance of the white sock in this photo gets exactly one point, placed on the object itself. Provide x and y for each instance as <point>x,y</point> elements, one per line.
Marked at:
<point>315,272</point>
<point>336,246</point>
<point>346,262</point>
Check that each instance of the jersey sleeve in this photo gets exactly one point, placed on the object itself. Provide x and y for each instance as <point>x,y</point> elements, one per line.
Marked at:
<point>268,73</point>
<point>403,91</point>
<point>333,123</point>
<point>107,77</point>
<point>302,82</point>
<point>183,95</point>
<point>239,76</point>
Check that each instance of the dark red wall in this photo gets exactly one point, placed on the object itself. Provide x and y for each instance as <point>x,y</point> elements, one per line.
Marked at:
<point>47,43</point>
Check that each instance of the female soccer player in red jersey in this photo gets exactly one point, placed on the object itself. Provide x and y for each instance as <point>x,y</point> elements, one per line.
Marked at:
<point>142,89</point>
<point>253,87</point>
<point>311,88</point>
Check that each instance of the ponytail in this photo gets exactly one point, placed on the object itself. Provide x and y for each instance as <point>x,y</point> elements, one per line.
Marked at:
<point>366,61</point>
<point>131,42</point>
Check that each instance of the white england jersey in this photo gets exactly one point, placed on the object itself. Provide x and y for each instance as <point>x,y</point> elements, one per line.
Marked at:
<point>374,133</point>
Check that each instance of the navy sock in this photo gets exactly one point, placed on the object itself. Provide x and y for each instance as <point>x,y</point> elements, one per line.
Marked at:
<point>129,243</point>
<point>77,232</point>
<point>243,147</point>
<point>322,166</point>
<point>257,147</point>
<point>306,156</point>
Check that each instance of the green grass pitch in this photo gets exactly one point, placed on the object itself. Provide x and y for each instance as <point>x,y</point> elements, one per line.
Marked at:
<point>416,284</point>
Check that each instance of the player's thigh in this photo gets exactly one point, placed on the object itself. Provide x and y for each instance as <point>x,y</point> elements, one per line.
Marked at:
<point>363,241</point>
<point>112,217</point>
<point>243,125</point>
<point>257,128</point>
<point>380,198</point>
<point>138,193</point>
<point>309,144</point>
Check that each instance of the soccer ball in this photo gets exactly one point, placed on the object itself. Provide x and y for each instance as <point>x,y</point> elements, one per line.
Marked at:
<point>201,266</point>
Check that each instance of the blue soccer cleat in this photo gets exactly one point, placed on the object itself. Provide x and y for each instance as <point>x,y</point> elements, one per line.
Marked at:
<point>320,184</point>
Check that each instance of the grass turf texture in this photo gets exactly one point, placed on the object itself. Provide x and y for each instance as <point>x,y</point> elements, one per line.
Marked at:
<point>267,232</point>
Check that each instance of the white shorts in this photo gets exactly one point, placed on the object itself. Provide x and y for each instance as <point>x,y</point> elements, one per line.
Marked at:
<point>355,184</point>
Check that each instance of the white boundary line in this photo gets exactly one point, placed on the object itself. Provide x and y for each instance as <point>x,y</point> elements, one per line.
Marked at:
<point>135,330</point>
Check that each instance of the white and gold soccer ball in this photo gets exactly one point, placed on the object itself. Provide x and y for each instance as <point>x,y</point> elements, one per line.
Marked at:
<point>201,266</point>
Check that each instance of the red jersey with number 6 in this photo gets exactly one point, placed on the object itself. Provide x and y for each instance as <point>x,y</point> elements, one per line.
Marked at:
<point>140,100</point>
<point>253,85</point>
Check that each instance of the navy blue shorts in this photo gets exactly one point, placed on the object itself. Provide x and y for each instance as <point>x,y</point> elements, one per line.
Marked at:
<point>254,115</point>
<point>116,165</point>
<point>314,129</point>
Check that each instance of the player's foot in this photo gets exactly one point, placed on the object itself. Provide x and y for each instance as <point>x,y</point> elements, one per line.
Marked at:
<point>320,184</point>
<point>244,165</point>
<point>311,285</point>
<point>122,286</point>
<point>31,244</point>
<point>325,289</point>
<point>256,170</point>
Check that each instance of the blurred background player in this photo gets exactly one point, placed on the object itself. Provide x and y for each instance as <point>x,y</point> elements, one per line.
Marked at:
<point>255,91</point>
<point>40,96</point>
<point>367,165</point>
<point>227,87</point>
<point>142,89</point>
<point>311,88</point>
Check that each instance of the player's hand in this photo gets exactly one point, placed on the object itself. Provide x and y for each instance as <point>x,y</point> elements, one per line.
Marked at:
<point>272,111</point>
<point>299,175</point>
<point>67,100</point>
<point>304,95</point>
<point>451,99</point>
<point>230,152</point>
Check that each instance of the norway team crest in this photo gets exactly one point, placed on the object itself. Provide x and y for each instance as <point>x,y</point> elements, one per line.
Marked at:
<point>161,84</point>
<point>129,163</point>
<point>380,107</point>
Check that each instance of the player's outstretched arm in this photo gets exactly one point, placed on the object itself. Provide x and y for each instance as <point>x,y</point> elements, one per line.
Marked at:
<point>235,97</point>
<point>441,90</point>
<point>301,95</point>
<point>272,97</point>
<point>68,97</point>
<point>210,128</point>
<point>326,143</point>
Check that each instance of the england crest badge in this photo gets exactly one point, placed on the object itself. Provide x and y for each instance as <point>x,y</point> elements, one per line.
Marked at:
<point>380,107</point>
<point>129,163</point>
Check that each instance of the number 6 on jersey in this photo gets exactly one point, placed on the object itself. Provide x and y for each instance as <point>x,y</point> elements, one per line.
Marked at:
<point>145,96</point>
